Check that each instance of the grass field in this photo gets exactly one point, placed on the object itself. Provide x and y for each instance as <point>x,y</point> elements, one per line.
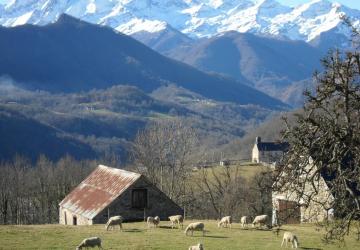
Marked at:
<point>137,236</point>
<point>246,170</point>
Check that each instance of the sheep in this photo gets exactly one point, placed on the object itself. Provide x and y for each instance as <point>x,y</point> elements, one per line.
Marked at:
<point>244,221</point>
<point>260,219</point>
<point>290,237</point>
<point>225,221</point>
<point>195,226</point>
<point>90,242</point>
<point>153,220</point>
<point>115,220</point>
<point>176,219</point>
<point>197,247</point>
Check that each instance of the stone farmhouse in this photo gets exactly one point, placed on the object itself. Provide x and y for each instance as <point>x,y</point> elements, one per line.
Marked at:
<point>289,208</point>
<point>267,152</point>
<point>108,192</point>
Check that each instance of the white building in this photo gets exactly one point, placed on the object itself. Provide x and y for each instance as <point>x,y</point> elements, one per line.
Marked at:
<point>267,152</point>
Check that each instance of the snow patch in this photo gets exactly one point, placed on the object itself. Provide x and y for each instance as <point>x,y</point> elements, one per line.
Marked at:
<point>21,20</point>
<point>137,25</point>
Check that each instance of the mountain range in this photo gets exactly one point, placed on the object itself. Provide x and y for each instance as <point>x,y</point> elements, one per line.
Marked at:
<point>195,18</point>
<point>72,55</point>
<point>280,68</point>
<point>90,89</point>
<point>264,45</point>
<point>223,66</point>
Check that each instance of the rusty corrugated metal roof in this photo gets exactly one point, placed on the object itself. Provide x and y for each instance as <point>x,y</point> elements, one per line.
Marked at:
<point>98,190</point>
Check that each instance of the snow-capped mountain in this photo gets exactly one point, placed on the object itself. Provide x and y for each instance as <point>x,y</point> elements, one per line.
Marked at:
<point>196,18</point>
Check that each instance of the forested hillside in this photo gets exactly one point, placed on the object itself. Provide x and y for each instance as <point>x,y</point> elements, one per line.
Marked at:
<point>103,123</point>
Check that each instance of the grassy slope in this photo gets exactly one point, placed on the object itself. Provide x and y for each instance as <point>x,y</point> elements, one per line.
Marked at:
<point>137,236</point>
<point>246,170</point>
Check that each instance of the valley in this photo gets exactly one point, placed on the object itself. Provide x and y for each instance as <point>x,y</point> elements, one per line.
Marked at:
<point>121,111</point>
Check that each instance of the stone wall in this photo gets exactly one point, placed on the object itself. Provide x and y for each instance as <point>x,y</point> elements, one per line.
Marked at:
<point>158,204</point>
<point>66,217</point>
<point>317,210</point>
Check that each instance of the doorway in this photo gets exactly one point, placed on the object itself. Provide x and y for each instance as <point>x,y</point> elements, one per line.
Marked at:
<point>74,220</point>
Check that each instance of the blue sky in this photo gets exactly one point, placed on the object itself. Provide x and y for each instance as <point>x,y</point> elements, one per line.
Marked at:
<point>355,4</point>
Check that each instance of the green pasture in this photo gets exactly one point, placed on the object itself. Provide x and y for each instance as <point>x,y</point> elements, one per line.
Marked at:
<point>138,236</point>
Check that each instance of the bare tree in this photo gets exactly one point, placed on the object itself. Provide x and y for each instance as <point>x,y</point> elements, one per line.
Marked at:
<point>325,145</point>
<point>30,193</point>
<point>162,151</point>
<point>5,195</point>
<point>220,191</point>
<point>259,199</point>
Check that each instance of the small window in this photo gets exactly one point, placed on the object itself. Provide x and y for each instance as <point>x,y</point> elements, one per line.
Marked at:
<point>139,198</point>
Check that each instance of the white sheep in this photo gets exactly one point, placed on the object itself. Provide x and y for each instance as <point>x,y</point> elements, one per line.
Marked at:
<point>260,219</point>
<point>153,221</point>
<point>195,226</point>
<point>197,247</point>
<point>115,220</point>
<point>290,237</point>
<point>90,242</point>
<point>225,221</point>
<point>176,219</point>
<point>244,221</point>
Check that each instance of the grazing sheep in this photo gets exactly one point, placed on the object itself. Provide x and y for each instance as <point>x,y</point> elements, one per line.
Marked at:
<point>115,220</point>
<point>90,242</point>
<point>197,247</point>
<point>176,219</point>
<point>225,221</point>
<point>196,226</point>
<point>290,237</point>
<point>260,219</point>
<point>244,221</point>
<point>153,221</point>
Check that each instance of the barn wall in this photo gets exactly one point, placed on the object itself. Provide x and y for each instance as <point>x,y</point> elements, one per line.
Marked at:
<point>158,204</point>
<point>316,212</point>
<point>66,218</point>
<point>313,212</point>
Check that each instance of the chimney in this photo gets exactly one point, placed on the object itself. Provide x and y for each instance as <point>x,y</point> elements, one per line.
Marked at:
<point>257,140</point>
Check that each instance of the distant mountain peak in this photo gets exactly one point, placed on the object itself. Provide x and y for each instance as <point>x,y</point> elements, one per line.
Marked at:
<point>66,18</point>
